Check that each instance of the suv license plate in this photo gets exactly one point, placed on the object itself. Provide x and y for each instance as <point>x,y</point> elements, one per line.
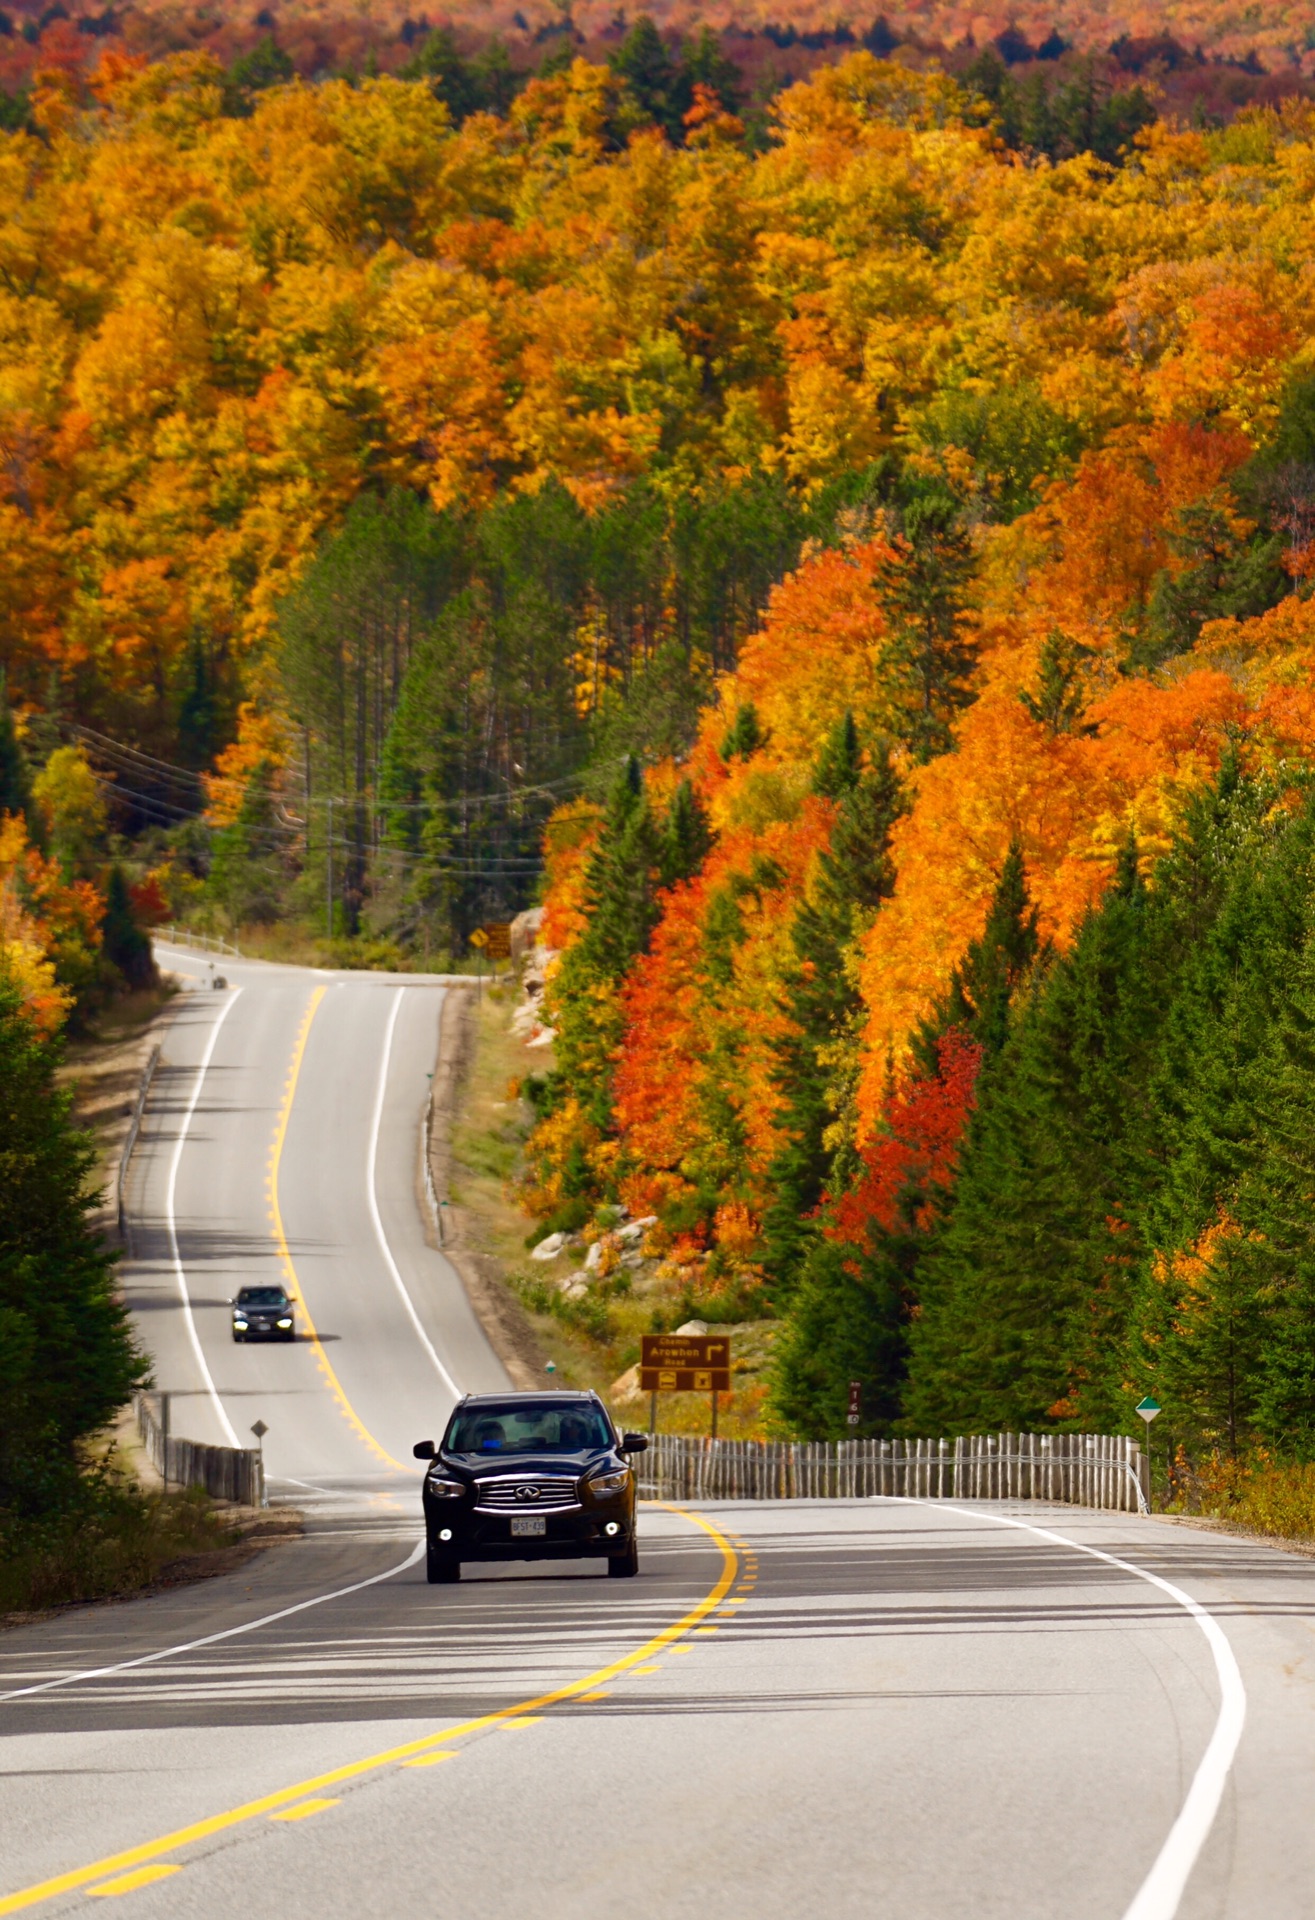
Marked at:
<point>528,1526</point>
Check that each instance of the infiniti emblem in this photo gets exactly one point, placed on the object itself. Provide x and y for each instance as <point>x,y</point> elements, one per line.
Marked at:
<point>527,1493</point>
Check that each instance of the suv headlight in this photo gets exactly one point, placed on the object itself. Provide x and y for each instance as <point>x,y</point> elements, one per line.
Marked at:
<point>286,1321</point>
<point>445,1489</point>
<point>238,1320</point>
<point>609,1482</point>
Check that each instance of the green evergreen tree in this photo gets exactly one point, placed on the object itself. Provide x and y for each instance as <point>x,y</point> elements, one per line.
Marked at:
<point>823,1003</point>
<point>686,837</point>
<point>650,75</point>
<point>1028,1292</point>
<point>247,877</point>
<point>887,1269</point>
<point>983,984</point>
<point>930,651</point>
<point>744,736</point>
<point>620,896</point>
<point>453,79</point>
<point>844,1323</point>
<point>198,710</point>
<point>1269,1310</point>
<point>67,1356</point>
<point>124,943</point>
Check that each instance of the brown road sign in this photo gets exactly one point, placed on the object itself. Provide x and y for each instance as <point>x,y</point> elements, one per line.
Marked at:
<point>685,1363</point>
<point>497,939</point>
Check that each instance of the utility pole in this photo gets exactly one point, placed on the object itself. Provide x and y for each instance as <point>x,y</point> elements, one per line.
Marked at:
<point>328,875</point>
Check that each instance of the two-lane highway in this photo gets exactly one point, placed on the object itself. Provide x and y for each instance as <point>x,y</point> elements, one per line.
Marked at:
<point>868,1710</point>
<point>282,1142</point>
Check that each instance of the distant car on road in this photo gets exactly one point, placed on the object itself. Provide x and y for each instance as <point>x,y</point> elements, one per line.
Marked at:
<point>530,1476</point>
<point>263,1313</point>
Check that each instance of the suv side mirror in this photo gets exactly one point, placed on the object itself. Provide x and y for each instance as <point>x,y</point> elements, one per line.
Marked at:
<point>634,1443</point>
<point>424,1449</point>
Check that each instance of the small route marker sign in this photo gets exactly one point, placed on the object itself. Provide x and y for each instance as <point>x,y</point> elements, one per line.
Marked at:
<point>1148,1409</point>
<point>855,1414</point>
<point>685,1363</point>
<point>479,938</point>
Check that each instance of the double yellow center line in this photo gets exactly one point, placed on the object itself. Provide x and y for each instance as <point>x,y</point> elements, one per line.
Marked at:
<point>139,1866</point>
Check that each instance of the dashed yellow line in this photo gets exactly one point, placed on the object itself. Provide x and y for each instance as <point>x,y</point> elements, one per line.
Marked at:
<point>142,1864</point>
<point>322,1360</point>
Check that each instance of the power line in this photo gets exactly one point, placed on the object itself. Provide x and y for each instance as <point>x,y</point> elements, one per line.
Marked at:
<point>109,747</point>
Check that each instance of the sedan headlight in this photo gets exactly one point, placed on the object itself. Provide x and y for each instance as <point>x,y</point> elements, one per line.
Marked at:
<point>609,1482</point>
<point>445,1489</point>
<point>237,1322</point>
<point>285,1323</point>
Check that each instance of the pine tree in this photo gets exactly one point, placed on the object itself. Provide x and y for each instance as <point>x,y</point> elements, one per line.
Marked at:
<point>886,1245</point>
<point>198,716</point>
<point>1277,1227</point>
<point>844,1324</point>
<point>650,74</point>
<point>931,652</point>
<point>67,1357</point>
<point>123,941</point>
<point>686,837</point>
<point>745,735</point>
<point>984,982</point>
<point>246,877</point>
<point>620,895</point>
<point>853,876</point>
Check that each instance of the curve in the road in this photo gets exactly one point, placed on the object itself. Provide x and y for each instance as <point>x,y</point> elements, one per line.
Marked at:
<point>1160,1894</point>
<point>143,1863</point>
<point>373,1198</point>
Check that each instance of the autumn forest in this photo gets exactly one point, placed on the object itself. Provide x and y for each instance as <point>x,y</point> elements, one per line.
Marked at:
<point>836,529</point>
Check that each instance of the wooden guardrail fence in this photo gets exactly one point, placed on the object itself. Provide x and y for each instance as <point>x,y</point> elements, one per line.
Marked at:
<point>228,1473</point>
<point>1077,1469</point>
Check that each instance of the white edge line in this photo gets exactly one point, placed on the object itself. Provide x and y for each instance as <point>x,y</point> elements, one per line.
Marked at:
<point>1161,1892</point>
<point>229,1633</point>
<point>407,1301</point>
<point>172,1224</point>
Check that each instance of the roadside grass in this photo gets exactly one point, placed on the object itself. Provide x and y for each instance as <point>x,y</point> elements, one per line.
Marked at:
<point>1256,1494</point>
<point>113,1542</point>
<point>592,1341</point>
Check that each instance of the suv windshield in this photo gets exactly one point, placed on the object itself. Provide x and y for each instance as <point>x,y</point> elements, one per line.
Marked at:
<point>262,1297</point>
<point>542,1427</point>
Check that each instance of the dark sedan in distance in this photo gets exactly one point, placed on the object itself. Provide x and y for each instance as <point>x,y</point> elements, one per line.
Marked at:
<point>530,1476</point>
<point>263,1313</point>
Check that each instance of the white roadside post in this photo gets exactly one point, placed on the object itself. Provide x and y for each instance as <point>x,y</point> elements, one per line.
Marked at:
<point>1148,1409</point>
<point>260,1430</point>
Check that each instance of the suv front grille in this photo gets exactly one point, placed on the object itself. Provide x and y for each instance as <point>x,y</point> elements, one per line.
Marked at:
<point>530,1494</point>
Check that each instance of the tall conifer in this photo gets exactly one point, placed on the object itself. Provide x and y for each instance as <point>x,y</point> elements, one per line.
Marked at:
<point>823,1002</point>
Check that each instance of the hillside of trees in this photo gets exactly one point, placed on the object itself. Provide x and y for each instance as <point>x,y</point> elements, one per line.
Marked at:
<point>858,537</point>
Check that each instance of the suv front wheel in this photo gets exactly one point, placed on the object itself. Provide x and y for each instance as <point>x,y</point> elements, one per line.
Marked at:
<point>623,1566</point>
<point>440,1567</point>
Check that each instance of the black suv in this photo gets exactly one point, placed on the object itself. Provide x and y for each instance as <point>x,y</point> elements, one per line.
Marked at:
<point>263,1313</point>
<point>530,1476</point>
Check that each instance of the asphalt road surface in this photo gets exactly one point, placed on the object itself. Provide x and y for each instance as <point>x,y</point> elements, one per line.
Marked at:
<point>868,1708</point>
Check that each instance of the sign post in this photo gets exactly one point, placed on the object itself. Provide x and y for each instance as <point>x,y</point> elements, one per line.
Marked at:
<point>685,1363</point>
<point>1148,1409</point>
<point>479,940</point>
<point>260,1430</point>
<point>497,939</point>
